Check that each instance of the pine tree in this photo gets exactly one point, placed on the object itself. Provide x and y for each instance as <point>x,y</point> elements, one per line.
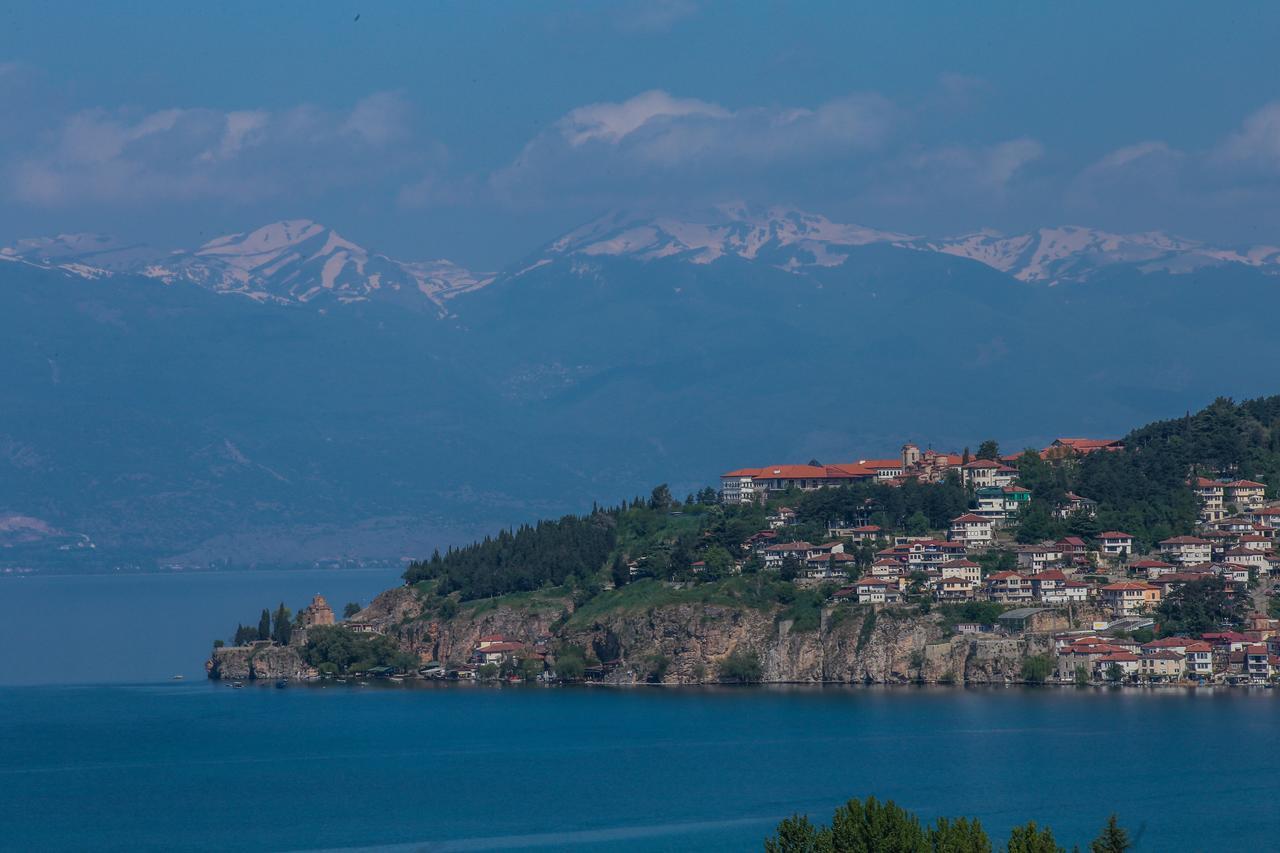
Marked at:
<point>264,625</point>
<point>283,629</point>
<point>1112,839</point>
<point>1030,838</point>
<point>795,835</point>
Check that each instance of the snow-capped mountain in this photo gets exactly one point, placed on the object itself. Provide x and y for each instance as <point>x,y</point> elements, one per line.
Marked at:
<point>293,261</point>
<point>1073,253</point>
<point>782,237</point>
<point>301,261</point>
<point>793,240</point>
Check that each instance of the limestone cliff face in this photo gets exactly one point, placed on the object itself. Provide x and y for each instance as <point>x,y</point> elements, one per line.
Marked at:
<point>895,647</point>
<point>399,613</point>
<point>853,644</point>
<point>267,662</point>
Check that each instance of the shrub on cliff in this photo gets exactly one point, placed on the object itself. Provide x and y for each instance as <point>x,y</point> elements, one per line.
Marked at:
<point>349,651</point>
<point>742,666</point>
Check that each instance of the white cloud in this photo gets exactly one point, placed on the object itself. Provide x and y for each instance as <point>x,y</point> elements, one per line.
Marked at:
<point>625,146</point>
<point>102,156</point>
<point>1256,144</point>
<point>611,122</point>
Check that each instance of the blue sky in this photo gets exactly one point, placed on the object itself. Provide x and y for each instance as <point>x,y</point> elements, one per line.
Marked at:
<point>478,131</point>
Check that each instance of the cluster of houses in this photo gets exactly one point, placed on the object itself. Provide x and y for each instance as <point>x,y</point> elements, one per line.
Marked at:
<point>747,485</point>
<point>1236,540</point>
<point>1251,656</point>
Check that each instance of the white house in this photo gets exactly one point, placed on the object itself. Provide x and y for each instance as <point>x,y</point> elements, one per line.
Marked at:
<point>1113,543</point>
<point>877,591</point>
<point>971,529</point>
<point>1187,550</point>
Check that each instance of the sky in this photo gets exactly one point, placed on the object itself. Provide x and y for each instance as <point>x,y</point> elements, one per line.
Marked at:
<point>479,131</point>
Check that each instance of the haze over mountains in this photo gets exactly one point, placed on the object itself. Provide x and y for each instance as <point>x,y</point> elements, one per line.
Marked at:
<point>299,260</point>
<point>285,394</point>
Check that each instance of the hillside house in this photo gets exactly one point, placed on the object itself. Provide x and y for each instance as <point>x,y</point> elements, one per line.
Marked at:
<point>1054,587</point>
<point>1008,587</point>
<point>971,529</point>
<point>783,516</point>
<point>1066,448</point>
<point>1127,662</point>
<point>966,570</point>
<point>1037,558</point>
<point>1001,503</point>
<point>985,473</point>
<point>1210,493</point>
<point>1075,504</point>
<point>877,591</point>
<point>1245,494</point>
<point>1115,544</point>
<point>1152,569</point>
<point>1162,665</point>
<point>955,589</point>
<point>1130,598</point>
<point>1186,550</point>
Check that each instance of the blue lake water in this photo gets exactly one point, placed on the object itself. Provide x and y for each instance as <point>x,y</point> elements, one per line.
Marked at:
<point>191,765</point>
<point>148,627</point>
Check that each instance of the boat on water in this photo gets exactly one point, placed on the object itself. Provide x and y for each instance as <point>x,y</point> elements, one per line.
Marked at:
<point>178,677</point>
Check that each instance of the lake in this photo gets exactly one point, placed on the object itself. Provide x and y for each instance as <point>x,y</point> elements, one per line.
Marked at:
<point>90,629</point>
<point>161,765</point>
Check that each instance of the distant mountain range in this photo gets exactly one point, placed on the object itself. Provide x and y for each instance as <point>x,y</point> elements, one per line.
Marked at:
<point>177,407</point>
<point>294,261</point>
<point>300,261</point>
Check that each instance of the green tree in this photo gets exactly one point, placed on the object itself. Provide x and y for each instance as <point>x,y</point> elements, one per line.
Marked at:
<point>620,572</point>
<point>661,498</point>
<point>1030,838</point>
<point>488,672</point>
<point>282,630</point>
<point>797,834</point>
<point>264,625</point>
<point>530,668</point>
<point>873,827</point>
<point>742,666</point>
<point>1115,673</point>
<point>1200,606</point>
<point>571,664</point>
<point>1112,839</point>
<point>352,608</point>
<point>917,524</point>
<point>958,836</point>
<point>658,666</point>
<point>1037,668</point>
<point>989,449</point>
<point>1081,675</point>
<point>790,569</point>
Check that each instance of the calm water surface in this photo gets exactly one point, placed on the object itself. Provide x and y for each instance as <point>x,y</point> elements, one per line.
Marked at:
<point>131,628</point>
<point>190,765</point>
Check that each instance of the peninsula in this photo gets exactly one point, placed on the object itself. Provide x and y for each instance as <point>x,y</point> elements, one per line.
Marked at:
<point>1146,559</point>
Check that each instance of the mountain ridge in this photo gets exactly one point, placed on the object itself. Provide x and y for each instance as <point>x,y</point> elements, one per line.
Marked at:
<point>300,261</point>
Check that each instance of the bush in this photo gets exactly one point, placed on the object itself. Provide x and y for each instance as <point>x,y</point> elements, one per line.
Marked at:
<point>658,666</point>
<point>1037,668</point>
<point>742,666</point>
<point>570,666</point>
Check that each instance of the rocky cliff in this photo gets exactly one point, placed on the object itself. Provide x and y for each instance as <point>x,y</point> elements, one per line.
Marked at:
<point>686,642</point>
<point>258,661</point>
